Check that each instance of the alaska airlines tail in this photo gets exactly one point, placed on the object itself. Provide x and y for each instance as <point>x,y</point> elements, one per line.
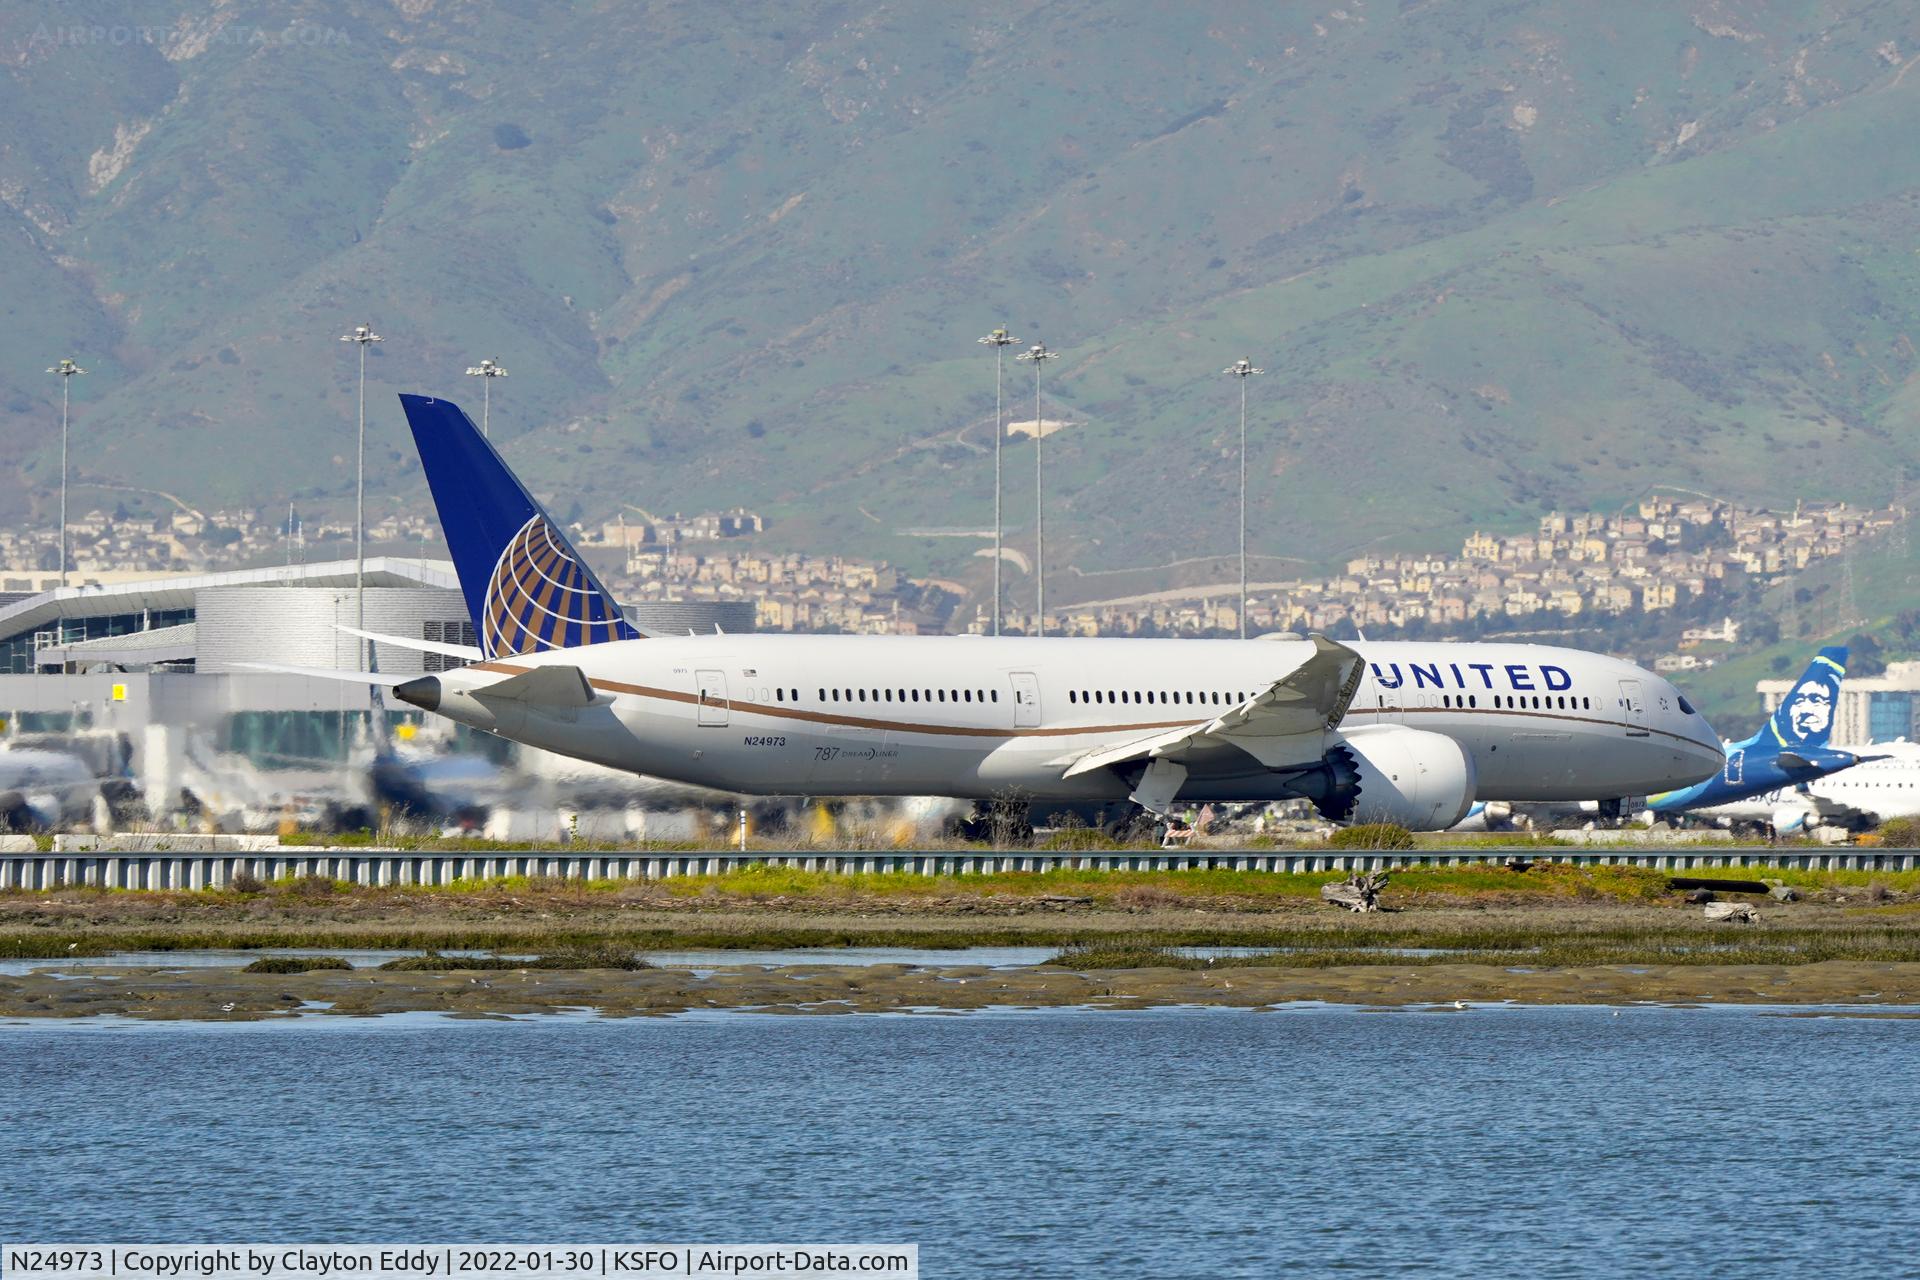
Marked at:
<point>1789,749</point>
<point>1805,716</point>
<point>527,589</point>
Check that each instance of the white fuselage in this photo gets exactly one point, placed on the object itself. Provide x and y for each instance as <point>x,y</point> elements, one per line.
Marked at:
<point>973,717</point>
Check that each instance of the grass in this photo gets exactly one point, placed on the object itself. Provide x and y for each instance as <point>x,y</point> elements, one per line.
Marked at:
<point>603,957</point>
<point>1552,913</point>
<point>295,964</point>
<point>1532,949</point>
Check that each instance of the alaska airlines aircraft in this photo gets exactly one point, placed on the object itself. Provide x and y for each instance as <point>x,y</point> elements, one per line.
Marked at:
<point>1791,748</point>
<point>1883,786</point>
<point>1404,732</point>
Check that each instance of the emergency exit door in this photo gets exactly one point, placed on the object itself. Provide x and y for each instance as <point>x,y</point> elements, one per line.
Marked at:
<point>1026,700</point>
<point>713,696</point>
<point>1633,706</point>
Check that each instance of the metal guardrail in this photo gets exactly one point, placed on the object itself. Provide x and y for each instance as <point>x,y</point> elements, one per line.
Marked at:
<point>185,870</point>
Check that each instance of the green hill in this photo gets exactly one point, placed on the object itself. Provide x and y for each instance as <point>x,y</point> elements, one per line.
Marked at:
<point>1496,257</point>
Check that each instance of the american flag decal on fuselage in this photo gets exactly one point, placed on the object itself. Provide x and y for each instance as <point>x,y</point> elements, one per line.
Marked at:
<point>541,597</point>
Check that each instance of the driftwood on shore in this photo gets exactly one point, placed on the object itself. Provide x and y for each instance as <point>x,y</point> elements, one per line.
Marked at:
<point>1732,913</point>
<point>1357,893</point>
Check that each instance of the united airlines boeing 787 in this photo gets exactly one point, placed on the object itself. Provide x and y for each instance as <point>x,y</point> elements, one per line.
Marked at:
<point>1401,732</point>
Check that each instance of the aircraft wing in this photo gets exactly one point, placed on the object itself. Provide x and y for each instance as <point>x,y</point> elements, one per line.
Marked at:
<point>1269,726</point>
<point>464,652</point>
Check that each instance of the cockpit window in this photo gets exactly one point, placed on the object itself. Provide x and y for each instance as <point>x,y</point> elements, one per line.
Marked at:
<point>1686,708</point>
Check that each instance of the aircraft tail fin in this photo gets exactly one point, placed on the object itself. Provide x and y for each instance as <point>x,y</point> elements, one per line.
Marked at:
<point>1805,716</point>
<point>528,589</point>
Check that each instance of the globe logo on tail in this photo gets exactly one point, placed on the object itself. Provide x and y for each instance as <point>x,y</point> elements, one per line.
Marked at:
<point>541,597</point>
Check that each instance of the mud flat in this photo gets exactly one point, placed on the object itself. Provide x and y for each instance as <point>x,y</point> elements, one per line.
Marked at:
<point>230,995</point>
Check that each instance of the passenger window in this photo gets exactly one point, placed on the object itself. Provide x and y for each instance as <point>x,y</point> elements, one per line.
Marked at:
<point>823,695</point>
<point>967,694</point>
<point>996,695</point>
<point>779,695</point>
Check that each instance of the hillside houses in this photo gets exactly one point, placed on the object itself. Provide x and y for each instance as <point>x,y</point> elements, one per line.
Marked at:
<point>1657,556</point>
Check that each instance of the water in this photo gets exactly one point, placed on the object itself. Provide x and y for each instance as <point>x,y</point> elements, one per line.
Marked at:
<point>1188,1143</point>
<point>202,959</point>
<point>704,961</point>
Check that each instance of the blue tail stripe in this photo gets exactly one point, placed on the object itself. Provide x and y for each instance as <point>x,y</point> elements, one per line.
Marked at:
<point>509,554</point>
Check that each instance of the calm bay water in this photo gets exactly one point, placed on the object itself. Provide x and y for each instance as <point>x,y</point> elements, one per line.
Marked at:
<point>1166,1143</point>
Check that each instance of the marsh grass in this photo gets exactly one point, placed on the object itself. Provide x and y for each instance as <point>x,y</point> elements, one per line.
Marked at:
<point>1526,950</point>
<point>295,964</point>
<point>595,957</point>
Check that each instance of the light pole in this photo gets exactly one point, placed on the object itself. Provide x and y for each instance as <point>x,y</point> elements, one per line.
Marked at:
<point>362,337</point>
<point>66,369</point>
<point>1039,354</point>
<point>999,340</point>
<point>1243,369</point>
<point>486,371</point>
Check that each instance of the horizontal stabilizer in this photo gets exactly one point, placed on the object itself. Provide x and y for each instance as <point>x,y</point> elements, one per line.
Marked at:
<point>381,678</point>
<point>464,652</point>
<point>543,687</point>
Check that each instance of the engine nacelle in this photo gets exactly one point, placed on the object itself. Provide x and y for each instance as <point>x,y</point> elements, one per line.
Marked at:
<point>1387,773</point>
<point>1790,822</point>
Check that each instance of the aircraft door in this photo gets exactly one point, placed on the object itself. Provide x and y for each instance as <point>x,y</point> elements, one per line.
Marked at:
<point>713,696</point>
<point>1635,707</point>
<point>1736,767</point>
<point>1026,699</point>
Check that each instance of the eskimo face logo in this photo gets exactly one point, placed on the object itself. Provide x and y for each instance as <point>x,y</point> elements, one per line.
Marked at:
<point>541,598</point>
<point>1810,709</point>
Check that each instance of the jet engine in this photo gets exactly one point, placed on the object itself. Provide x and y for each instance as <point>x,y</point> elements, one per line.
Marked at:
<point>1791,822</point>
<point>1387,773</point>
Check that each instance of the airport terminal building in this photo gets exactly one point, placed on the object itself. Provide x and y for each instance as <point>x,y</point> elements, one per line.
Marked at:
<point>158,680</point>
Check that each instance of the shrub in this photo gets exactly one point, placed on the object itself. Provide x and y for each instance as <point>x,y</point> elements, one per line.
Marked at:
<point>1900,833</point>
<point>244,881</point>
<point>1372,835</point>
<point>312,887</point>
<point>295,964</point>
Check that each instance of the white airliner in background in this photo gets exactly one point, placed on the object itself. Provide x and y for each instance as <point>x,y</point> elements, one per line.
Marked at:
<point>1885,785</point>
<point>1400,732</point>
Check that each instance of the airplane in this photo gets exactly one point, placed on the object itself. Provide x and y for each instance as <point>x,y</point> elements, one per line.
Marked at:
<point>1883,786</point>
<point>1403,732</point>
<point>42,789</point>
<point>1790,749</point>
